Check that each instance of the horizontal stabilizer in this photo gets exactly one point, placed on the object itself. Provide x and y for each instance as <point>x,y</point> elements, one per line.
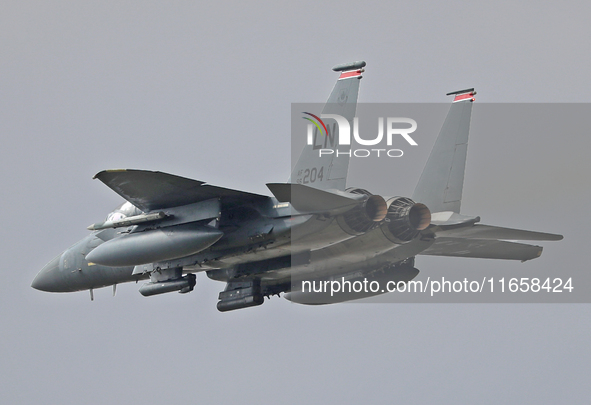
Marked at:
<point>482,249</point>
<point>308,199</point>
<point>479,231</point>
<point>150,191</point>
<point>451,219</point>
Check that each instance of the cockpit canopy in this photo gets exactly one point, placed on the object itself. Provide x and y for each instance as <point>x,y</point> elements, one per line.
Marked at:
<point>123,211</point>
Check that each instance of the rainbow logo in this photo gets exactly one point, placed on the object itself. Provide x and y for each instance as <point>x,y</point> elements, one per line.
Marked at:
<point>316,123</point>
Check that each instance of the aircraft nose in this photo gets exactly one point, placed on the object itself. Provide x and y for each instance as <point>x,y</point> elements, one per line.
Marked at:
<point>48,277</point>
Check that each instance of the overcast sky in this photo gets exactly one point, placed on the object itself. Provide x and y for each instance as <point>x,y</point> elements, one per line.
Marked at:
<point>203,90</point>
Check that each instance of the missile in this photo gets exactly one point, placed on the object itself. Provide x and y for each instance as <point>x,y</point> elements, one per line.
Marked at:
<point>154,245</point>
<point>135,220</point>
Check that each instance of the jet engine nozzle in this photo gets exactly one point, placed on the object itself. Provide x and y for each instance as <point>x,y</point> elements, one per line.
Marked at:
<point>405,219</point>
<point>365,216</point>
<point>376,208</point>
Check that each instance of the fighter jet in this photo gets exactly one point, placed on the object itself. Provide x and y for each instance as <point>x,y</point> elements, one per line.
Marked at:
<point>313,227</point>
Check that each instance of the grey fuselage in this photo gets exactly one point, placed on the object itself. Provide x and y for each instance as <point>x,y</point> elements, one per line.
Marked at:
<point>258,240</point>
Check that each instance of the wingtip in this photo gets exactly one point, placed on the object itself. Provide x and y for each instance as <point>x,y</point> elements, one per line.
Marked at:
<point>96,176</point>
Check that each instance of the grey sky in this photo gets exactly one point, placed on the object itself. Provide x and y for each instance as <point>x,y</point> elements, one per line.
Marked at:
<point>203,90</point>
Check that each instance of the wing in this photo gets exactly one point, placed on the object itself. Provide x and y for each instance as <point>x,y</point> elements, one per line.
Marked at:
<point>150,191</point>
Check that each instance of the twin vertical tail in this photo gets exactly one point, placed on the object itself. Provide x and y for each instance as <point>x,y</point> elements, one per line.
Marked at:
<point>329,171</point>
<point>441,183</point>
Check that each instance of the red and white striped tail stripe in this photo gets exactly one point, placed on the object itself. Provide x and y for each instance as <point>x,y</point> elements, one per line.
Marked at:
<point>464,96</point>
<point>350,74</point>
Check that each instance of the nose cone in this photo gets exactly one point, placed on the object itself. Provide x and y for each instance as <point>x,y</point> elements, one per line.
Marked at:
<point>49,277</point>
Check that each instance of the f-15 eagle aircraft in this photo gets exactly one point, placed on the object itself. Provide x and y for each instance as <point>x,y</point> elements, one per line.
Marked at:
<point>172,227</point>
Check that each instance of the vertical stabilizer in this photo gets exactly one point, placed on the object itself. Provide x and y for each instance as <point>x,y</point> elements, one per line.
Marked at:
<point>330,170</point>
<point>442,180</point>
